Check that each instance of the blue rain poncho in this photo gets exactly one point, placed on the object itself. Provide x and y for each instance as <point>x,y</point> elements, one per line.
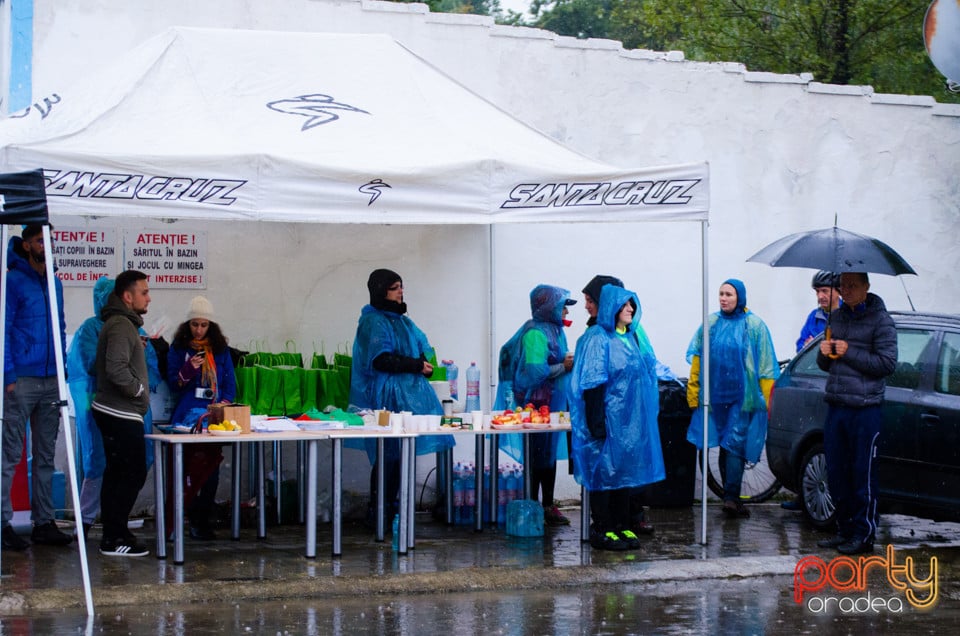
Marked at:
<point>527,362</point>
<point>380,332</point>
<point>626,367</point>
<point>81,356</point>
<point>741,354</point>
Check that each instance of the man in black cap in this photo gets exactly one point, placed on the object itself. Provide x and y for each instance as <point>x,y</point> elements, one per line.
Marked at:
<point>591,297</point>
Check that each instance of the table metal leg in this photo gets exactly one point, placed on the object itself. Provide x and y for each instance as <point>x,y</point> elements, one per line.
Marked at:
<point>261,492</point>
<point>404,495</point>
<point>337,464</point>
<point>278,478</point>
<point>527,471</point>
<point>411,474</point>
<point>301,480</point>
<point>494,479</point>
<point>380,497</point>
<point>478,483</point>
<point>312,499</point>
<point>177,504</point>
<point>584,514</point>
<point>235,466</point>
<point>158,488</point>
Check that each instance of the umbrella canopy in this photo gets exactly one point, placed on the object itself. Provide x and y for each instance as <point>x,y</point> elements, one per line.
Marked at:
<point>834,250</point>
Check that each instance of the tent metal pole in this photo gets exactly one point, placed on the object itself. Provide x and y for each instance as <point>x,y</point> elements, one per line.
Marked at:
<point>493,363</point>
<point>704,378</point>
<point>65,416</point>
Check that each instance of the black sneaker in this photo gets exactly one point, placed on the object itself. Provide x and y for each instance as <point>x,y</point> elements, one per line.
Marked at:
<point>629,539</point>
<point>49,534</point>
<point>607,541</point>
<point>855,546</point>
<point>832,542</point>
<point>123,548</point>
<point>12,540</point>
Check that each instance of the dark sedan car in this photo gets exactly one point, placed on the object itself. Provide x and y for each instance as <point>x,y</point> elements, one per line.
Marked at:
<point>918,452</point>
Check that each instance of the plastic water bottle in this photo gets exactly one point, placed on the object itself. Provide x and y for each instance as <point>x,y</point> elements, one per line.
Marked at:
<point>473,388</point>
<point>502,496</point>
<point>458,484</point>
<point>469,495</point>
<point>452,373</point>
<point>395,541</point>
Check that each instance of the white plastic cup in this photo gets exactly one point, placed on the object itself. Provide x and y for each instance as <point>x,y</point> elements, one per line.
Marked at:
<point>476,420</point>
<point>407,420</point>
<point>396,422</point>
<point>433,423</point>
<point>554,418</point>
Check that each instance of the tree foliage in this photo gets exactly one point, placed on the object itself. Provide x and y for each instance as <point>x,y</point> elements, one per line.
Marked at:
<point>874,42</point>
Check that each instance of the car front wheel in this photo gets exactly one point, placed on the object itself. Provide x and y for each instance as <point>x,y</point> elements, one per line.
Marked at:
<point>814,491</point>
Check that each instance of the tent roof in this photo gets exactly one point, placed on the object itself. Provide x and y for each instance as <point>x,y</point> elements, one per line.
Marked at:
<point>229,124</point>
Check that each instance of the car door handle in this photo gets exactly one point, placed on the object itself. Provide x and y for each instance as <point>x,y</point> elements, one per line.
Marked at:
<point>929,419</point>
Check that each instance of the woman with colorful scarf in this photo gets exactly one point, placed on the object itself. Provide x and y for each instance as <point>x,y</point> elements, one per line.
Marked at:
<point>200,373</point>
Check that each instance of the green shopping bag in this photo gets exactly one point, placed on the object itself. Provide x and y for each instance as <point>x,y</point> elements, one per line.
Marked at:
<point>319,361</point>
<point>331,390</point>
<point>246,385</point>
<point>292,389</point>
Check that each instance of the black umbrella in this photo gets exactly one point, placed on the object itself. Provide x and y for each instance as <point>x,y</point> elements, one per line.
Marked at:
<point>834,250</point>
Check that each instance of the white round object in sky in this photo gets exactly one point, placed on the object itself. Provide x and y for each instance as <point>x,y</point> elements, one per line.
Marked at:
<point>941,35</point>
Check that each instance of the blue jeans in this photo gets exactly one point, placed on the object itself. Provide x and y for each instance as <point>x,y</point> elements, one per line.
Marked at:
<point>850,443</point>
<point>32,399</point>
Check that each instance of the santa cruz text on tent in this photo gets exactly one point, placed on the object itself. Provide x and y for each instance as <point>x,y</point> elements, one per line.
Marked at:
<point>137,186</point>
<point>535,195</point>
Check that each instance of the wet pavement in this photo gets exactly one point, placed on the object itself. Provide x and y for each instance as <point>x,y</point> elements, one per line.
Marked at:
<point>459,581</point>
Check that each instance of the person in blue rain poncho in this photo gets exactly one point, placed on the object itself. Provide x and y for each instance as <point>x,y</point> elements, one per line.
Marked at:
<point>615,401</point>
<point>535,369</point>
<point>390,371</point>
<point>743,368</point>
<point>81,356</point>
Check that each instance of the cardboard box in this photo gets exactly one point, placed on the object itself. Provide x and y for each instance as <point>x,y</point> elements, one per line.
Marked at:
<point>240,413</point>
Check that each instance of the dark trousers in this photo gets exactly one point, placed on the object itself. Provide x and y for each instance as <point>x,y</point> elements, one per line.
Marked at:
<point>543,472</point>
<point>610,509</point>
<point>850,443</point>
<point>391,480</point>
<point>124,475</point>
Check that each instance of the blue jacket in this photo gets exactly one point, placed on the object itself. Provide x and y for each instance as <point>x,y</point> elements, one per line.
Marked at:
<point>857,378</point>
<point>186,395</point>
<point>28,350</point>
<point>815,325</point>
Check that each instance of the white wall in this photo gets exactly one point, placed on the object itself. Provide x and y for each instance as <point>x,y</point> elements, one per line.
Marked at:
<point>786,154</point>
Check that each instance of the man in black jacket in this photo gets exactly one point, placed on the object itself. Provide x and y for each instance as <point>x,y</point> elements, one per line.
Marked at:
<point>121,401</point>
<point>860,353</point>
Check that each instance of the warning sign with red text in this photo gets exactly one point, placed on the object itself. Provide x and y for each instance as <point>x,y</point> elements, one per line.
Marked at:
<point>83,256</point>
<point>171,260</point>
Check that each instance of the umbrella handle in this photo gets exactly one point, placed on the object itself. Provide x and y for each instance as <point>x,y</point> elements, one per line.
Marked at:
<point>833,349</point>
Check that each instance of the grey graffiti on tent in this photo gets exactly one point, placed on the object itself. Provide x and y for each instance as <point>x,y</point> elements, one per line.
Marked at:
<point>41,106</point>
<point>318,108</point>
<point>373,189</point>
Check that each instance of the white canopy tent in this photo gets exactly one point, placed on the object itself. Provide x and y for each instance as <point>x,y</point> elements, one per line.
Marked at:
<point>322,128</point>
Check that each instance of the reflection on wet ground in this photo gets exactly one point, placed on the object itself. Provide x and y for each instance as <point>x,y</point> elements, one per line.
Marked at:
<point>230,580</point>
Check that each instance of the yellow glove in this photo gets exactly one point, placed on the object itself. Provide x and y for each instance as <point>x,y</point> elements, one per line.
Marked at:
<point>766,387</point>
<point>693,384</point>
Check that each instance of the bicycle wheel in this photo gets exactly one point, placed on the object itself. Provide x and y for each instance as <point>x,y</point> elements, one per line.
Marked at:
<point>758,483</point>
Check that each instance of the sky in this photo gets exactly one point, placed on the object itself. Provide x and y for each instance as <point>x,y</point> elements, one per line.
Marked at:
<point>520,6</point>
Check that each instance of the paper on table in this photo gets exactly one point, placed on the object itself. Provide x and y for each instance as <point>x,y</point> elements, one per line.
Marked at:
<point>264,424</point>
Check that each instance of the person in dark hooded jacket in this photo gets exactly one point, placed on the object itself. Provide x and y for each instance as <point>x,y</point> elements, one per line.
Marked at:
<point>30,376</point>
<point>860,353</point>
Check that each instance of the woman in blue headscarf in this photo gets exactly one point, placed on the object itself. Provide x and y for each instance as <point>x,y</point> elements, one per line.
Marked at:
<point>390,371</point>
<point>535,369</point>
<point>614,405</point>
<point>743,367</point>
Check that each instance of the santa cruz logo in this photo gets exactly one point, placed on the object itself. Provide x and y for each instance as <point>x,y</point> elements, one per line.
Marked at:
<point>841,584</point>
<point>318,108</point>
<point>373,189</point>
<point>101,185</point>
<point>560,195</point>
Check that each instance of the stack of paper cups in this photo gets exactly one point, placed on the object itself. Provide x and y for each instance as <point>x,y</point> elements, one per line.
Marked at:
<point>396,422</point>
